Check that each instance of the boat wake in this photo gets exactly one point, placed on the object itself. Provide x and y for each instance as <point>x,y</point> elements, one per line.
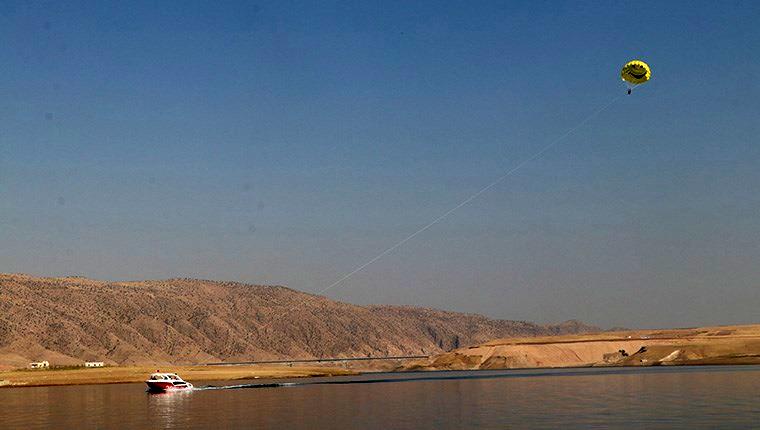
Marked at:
<point>262,385</point>
<point>379,380</point>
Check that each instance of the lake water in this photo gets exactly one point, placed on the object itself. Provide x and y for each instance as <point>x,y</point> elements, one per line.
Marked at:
<point>644,398</point>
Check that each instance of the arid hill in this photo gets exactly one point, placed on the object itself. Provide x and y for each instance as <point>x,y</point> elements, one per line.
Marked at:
<point>182,321</point>
<point>705,345</point>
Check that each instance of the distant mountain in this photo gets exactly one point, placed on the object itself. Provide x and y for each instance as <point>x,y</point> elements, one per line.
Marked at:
<point>180,321</point>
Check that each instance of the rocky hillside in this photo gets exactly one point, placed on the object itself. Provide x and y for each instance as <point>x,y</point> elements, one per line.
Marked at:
<point>704,345</point>
<point>68,320</point>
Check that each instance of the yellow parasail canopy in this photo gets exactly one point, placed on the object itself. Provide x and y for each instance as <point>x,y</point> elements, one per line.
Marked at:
<point>636,72</point>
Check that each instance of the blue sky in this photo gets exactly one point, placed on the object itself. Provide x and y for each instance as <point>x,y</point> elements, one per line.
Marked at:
<point>290,142</point>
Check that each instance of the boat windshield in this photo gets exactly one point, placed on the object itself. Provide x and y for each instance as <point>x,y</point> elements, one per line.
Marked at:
<point>165,377</point>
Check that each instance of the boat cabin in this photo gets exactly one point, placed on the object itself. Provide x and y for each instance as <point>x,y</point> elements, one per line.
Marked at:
<point>167,377</point>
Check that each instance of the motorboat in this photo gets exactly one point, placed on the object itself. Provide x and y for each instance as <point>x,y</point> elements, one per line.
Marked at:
<point>162,382</point>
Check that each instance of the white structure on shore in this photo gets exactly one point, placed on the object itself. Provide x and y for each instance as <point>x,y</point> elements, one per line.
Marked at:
<point>39,365</point>
<point>94,364</point>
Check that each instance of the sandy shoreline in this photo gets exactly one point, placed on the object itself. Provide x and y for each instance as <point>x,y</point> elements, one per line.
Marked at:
<point>131,374</point>
<point>24,378</point>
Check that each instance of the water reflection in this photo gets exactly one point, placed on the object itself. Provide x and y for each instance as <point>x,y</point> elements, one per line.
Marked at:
<point>168,408</point>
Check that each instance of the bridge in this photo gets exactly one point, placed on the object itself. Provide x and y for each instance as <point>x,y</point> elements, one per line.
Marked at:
<point>319,360</point>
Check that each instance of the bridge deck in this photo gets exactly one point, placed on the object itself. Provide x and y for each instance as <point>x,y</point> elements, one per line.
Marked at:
<point>317,360</point>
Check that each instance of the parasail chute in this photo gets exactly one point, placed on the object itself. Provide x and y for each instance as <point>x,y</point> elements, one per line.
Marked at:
<point>635,73</point>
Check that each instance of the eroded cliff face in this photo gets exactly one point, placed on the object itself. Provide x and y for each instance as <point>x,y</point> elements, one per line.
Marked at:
<point>707,345</point>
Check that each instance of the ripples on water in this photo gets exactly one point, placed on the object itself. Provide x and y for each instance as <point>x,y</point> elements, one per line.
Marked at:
<point>699,397</point>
